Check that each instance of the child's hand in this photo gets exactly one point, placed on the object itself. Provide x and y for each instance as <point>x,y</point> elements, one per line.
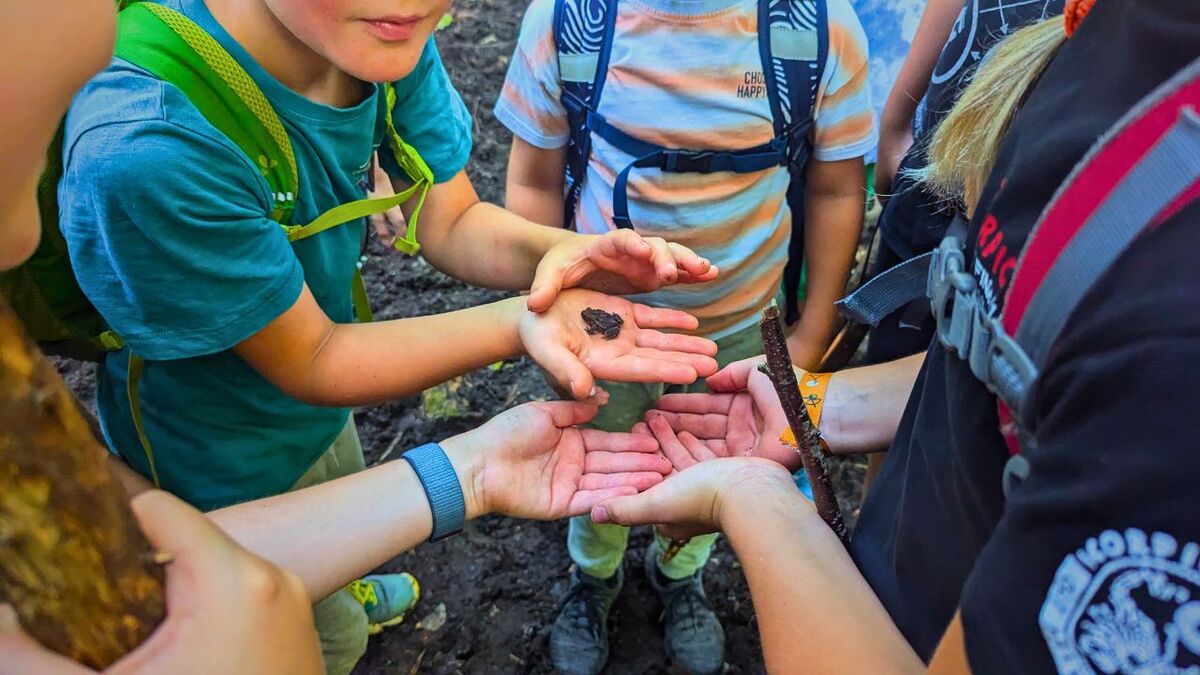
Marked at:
<point>573,359</point>
<point>391,223</point>
<point>617,262</point>
<point>692,502</point>
<point>740,417</point>
<point>531,462</point>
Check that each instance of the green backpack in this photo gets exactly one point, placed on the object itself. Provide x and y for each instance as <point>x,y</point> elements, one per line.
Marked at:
<point>44,292</point>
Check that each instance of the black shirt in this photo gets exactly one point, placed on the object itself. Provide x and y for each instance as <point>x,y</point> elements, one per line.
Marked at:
<point>913,221</point>
<point>1108,521</point>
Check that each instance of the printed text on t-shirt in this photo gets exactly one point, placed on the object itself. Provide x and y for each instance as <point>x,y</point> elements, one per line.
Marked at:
<point>753,85</point>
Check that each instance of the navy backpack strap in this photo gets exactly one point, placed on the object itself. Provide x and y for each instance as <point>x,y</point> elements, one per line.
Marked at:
<point>793,39</point>
<point>583,32</point>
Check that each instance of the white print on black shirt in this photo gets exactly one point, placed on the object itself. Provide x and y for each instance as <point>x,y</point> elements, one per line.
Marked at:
<point>962,42</point>
<point>1126,602</point>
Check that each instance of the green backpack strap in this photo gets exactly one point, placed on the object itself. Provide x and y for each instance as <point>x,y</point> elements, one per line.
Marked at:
<point>414,167</point>
<point>173,48</point>
<point>411,162</point>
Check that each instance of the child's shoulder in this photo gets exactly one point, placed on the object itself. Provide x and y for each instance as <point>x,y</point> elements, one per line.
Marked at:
<point>539,17</point>
<point>844,23</point>
<point>124,103</point>
<point>120,93</point>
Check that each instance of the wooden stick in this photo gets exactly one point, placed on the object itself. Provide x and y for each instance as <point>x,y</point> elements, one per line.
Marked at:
<point>73,563</point>
<point>779,368</point>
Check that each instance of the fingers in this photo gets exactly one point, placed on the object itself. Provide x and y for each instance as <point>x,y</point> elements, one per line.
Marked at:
<point>595,439</point>
<point>625,462</point>
<point>563,366</point>
<point>383,232</point>
<point>703,365</point>
<point>762,391</point>
<point>648,508</point>
<point>696,269</point>
<point>680,456</point>
<point>569,413</point>
<point>699,451</point>
<point>698,404</point>
<point>547,283</point>
<point>639,480</point>
<point>664,261</point>
<point>584,501</point>
<point>735,376</point>
<point>619,244</point>
<point>707,426</point>
<point>635,368</point>
<point>642,429</point>
<point>675,342</point>
<point>658,317</point>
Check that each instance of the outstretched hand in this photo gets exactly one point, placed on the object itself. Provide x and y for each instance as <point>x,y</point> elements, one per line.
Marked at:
<point>558,341</point>
<point>740,416</point>
<point>617,262</point>
<point>531,462</point>
<point>693,501</point>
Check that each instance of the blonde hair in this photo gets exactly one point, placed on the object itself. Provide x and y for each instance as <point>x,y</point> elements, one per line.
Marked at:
<point>963,148</point>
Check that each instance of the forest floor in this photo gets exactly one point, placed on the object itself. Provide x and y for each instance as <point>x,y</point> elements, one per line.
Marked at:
<point>489,596</point>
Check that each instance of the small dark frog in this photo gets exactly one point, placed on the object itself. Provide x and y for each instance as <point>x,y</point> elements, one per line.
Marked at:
<point>600,322</point>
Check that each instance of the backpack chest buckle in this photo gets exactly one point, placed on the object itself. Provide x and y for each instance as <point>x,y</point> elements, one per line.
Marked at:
<point>687,161</point>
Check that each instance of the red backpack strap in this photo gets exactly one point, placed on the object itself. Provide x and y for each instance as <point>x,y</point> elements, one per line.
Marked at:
<point>1135,177</point>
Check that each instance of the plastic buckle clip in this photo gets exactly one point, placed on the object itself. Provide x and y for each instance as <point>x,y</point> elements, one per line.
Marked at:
<point>687,161</point>
<point>1010,371</point>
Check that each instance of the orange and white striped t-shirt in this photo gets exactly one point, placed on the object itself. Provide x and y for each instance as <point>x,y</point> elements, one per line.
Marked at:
<point>688,74</point>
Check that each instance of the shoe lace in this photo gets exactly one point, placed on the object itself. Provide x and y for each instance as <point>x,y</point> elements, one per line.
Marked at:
<point>683,605</point>
<point>584,613</point>
<point>364,592</point>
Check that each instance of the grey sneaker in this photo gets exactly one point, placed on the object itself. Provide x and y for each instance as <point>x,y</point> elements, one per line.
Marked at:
<point>579,639</point>
<point>694,637</point>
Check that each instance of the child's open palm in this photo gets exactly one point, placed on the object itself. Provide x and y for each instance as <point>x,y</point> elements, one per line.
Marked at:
<point>573,359</point>
<point>740,417</point>
<point>531,462</point>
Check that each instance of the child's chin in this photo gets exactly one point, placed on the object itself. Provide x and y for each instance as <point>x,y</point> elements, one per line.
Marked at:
<point>384,64</point>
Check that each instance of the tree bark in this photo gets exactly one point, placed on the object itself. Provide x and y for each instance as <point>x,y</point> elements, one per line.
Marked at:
<point>73,562</point>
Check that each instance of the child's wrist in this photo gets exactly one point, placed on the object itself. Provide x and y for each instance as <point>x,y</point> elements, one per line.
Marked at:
<point>509,313</point>
<point>468,462</point>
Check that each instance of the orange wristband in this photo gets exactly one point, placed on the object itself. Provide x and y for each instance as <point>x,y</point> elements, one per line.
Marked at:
<point>812,390</point>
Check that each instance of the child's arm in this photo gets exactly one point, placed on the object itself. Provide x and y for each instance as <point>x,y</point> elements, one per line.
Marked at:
<point>485,245</point>
<point>534,189</point>
<point>832,223</point>
<point>528,462</point>
<point>895,123</point>
<point>311,358</point>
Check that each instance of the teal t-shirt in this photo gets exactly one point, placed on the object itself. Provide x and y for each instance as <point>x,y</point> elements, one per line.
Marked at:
<point>168,228</point>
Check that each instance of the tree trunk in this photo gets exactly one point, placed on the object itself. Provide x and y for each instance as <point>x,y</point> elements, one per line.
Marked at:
<point>73,563</point>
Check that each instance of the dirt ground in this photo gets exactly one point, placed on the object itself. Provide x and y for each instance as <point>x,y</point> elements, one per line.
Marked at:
<point>494,590</point>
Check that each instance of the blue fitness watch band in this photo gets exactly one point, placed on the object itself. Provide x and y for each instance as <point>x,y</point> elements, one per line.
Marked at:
<point>441,485</point>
